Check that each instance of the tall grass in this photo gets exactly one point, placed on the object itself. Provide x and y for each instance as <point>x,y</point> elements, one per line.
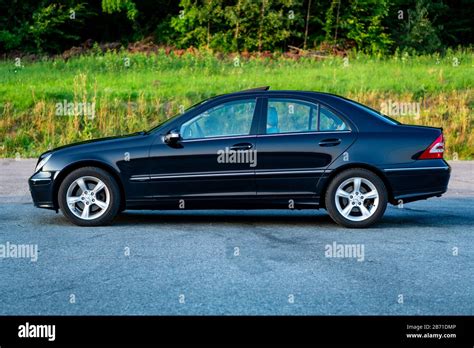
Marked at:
<point>132,97</point>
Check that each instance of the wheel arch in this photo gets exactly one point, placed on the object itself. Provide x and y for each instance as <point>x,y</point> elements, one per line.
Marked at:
<point>369,167</point>
<point>87,163</point>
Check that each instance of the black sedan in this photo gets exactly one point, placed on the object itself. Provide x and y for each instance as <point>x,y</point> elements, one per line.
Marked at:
<point>253,149</point>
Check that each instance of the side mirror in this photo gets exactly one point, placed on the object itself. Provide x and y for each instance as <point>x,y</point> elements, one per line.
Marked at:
<point>172,137</point>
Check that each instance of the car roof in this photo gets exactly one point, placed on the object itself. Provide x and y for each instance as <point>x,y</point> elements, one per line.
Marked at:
<point>265,90</point>
<point>359,113</point>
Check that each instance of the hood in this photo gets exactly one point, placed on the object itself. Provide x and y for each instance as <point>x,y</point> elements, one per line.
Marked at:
<point>95,142</point>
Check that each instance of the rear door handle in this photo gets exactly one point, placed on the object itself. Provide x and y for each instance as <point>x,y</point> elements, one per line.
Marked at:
<point>330,142</point>
<point>241,146</point>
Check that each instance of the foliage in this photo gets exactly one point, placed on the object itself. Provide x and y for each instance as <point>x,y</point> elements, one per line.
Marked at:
<point>422,35</point>
<point>50,25</point>
<point>48,28</point>
<point>244,25</point>
<point>370,26</point>
<point>111,6</point>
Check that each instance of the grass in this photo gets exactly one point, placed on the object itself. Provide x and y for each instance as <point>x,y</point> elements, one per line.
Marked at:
<point>154,87</point>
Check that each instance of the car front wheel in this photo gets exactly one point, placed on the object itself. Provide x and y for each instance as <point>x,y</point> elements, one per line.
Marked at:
<point>356,198</point>
<point>89,197</point>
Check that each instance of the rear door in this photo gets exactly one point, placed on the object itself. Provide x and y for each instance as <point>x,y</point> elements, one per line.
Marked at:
<point>297,141</point>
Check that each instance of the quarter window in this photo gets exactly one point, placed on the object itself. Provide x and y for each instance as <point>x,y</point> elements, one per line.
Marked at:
<point>328,121</point>
<point>227,119</point>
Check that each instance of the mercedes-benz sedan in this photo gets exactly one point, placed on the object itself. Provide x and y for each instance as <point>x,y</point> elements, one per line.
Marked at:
<point>253,149</point>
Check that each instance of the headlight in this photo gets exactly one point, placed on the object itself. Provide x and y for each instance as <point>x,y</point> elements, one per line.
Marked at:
<point>42,162</point>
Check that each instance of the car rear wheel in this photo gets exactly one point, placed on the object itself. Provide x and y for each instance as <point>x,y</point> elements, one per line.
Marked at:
<point>356,198</point>
<point>89,197</point>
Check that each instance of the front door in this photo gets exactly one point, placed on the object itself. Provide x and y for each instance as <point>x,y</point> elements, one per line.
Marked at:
<point>215,156</point>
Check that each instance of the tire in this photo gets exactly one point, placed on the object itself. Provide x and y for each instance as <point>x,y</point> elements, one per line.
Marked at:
<point>349,207</point>
<point>85,193</point>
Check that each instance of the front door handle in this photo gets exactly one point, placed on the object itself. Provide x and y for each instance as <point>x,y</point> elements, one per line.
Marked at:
<point>330,142</point>
<point>241,146</point>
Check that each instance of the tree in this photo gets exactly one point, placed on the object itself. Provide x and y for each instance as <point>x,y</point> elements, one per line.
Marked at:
<point>41,26</point>
<point>359,22</point>
<point>421,36</point>
<point>51,26</point>
<point>233,27</point>
<point>308,14</point>
<point>197,21</point>
<point>372,26</point>
<point>111,6</point>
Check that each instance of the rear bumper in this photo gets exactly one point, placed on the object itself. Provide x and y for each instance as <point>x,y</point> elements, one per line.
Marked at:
<point>41,189</point>
<point>418,182</point>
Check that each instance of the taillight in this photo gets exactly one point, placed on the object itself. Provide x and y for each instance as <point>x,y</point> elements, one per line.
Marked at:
<point>435,150</point>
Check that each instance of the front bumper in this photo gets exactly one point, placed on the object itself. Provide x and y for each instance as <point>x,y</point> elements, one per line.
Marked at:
<point>41,189</point>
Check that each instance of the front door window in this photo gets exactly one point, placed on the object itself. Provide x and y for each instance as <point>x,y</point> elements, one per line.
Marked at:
<point>227,119</point>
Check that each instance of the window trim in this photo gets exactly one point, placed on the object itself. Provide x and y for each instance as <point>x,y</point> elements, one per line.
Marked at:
<point>311,116</point>
<point>304,133</point>
<point>219,138</point>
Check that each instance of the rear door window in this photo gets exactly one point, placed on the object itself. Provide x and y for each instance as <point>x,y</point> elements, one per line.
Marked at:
<point>291,116</point>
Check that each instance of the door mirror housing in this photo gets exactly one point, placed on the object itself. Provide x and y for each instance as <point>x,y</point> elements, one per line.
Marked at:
<point>172,137</point>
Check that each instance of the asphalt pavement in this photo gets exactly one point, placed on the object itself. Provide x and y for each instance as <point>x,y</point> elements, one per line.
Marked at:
<point>418,260</point>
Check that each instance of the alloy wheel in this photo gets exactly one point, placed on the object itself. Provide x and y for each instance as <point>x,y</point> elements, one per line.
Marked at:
<point>88,197</point>
<point>357,199</point>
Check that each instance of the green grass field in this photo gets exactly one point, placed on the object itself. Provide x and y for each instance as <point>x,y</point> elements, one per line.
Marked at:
<point>134,92</point>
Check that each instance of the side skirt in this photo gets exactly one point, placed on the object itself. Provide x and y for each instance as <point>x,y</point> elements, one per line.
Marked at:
<point>187,203</point>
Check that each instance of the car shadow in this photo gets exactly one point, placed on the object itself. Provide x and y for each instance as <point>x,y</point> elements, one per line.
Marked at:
<point>206,217</point>
<point>297,218</point>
